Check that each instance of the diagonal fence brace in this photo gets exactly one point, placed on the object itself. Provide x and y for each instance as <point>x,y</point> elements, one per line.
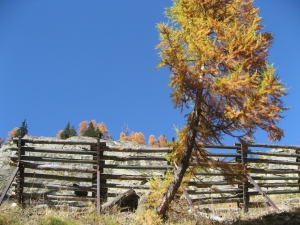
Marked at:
<point>263,193</point>
<point>9,183</point>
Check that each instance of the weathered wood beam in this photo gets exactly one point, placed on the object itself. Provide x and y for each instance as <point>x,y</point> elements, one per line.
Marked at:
<point>128,158</point>
<point>217,191</point>
<point>58,197</point>
<point>272,171</point>
<point>274,146</point>
<point>56,141</point>
<point>56,177</point>
<point>217,200</point>
<point>73,168</point>
<point>152,167</point>
<point>290,155</point>
<point>60,151</point>
<point>136,149</point>
<point>125,186</point>
<point>262,193</point>
<point>49,159</point>
<point>57,187</point>
<point>281,162</point>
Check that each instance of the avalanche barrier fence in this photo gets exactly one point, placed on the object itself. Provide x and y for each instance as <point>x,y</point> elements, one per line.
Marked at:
<point>88,170</point>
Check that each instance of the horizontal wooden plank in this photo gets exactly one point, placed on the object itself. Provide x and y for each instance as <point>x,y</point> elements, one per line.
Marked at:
<point>136,149</point>
<point>216,191</point>
<point>125,186</point>
<point>223,147</point>
<point>212,200</point>
<point>282,162</point>
<point>125,177</point>
<point>57,187</point>
<point>274,146</point>
<point>287,155</point>
<point>60,151</point>
<point>216,163</point>
<point>73,168</point>
<point>129,158</point>
<point>272,171</point>
<point>49,159</point>
<point>152,167</point>
<point>223,154</point>
<point>211,183</point>
<point>57,141</point>
<point>56,177</point>
<point>275,185</point>
<point>58,197</point>
<point>92,152</point>
<point>214,174</point>
<point>274,178</point>
<point>270,192</point>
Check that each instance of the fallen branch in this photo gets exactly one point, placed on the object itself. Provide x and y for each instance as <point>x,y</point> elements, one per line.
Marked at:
<point>215,218</point>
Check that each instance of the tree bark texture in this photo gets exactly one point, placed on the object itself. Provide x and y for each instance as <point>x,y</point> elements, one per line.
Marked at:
<point>173,188</point>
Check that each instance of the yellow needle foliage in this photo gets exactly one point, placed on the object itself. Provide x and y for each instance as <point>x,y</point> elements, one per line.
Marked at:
<point>217,54</point>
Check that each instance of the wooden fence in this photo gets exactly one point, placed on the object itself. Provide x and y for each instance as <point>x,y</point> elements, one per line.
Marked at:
<point>104,171</point>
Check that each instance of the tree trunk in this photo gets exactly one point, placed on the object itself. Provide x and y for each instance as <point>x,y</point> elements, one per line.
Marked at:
<point>173,188</point>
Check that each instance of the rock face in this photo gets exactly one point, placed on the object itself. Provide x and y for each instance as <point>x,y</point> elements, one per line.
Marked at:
<point>5,169</point>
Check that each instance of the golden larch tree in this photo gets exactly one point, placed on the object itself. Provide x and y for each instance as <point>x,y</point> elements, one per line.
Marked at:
<point>132,134</point>
<point>103,129</point>
<point>217,54</point>
<point>162,141</point>
<point>83,126</point>
<point>59,134</point>
<point>11,134</point>
<point>124,137</point>
<point>152,142</point>
<point>138,138</point>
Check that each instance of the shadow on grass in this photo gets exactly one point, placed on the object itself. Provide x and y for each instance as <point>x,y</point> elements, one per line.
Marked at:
<point>288,218</point>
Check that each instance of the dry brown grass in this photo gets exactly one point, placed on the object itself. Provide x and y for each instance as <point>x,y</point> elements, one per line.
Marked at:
<point>179,214</point>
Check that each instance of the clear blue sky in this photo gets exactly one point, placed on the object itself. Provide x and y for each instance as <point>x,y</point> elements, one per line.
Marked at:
<point>77,60</point>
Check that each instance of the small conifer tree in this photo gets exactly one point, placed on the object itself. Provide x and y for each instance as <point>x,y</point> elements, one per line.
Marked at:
<point>22,130</point>
<point>67,132</point>
<point>91,132</point>
<point>73,131</point>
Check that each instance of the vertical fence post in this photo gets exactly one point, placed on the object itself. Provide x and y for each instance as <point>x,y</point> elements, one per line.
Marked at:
<point>244,155</point>
<point>98,175</point>
<point>238,160</point>
<point>98,181</point>
<point>298,160</point>
<point>20,174</point>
